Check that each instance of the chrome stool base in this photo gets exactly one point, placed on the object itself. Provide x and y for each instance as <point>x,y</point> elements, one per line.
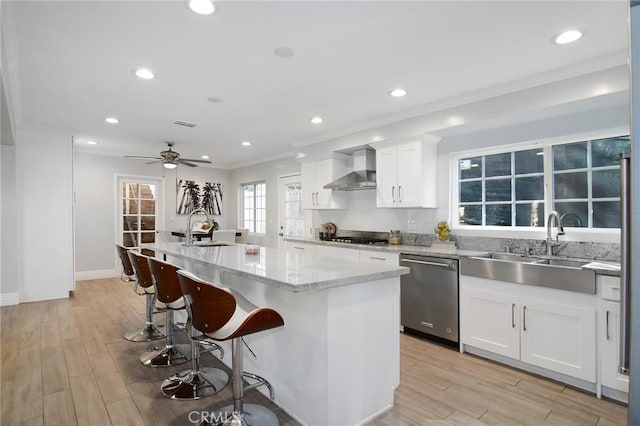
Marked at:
<point>147,334</point>
<point>254,415</point>
<point>192,386</point>
<point>165,356</point>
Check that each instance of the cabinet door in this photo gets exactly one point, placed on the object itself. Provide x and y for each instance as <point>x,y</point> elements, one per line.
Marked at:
<point>378,257</point>
<point>609,345</point>
<point>409,191</point>
<point>343,253</point>
<point>490,321</point>
<point>297,247</point>
<point>308,185</point>
<point>386,177</point>
<point>559,337</point>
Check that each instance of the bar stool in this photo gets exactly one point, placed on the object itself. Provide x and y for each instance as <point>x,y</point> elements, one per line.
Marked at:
<point>223,314</point>
<point>198,382</point>
<point>145,281</point>
<point>127,269</point>
<point>165,280</point>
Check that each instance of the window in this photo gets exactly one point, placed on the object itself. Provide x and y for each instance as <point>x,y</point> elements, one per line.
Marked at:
<point>508,188</point>
<point>254,207</point>
<point>586,182</point>
<point>138,213</point>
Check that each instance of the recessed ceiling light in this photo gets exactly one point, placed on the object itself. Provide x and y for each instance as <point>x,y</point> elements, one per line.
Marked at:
<point>316,120</point>
<point>92,143</point>
<point>398,93</point>
<point>567,37</point>
<point>246,143</point>
<point>205,157</point>
<point>112,120</point>
<point>202,7</point>
<point>377,138</point>
<point>283,52</point>
<point>144,74</point>
<point>455,121</point>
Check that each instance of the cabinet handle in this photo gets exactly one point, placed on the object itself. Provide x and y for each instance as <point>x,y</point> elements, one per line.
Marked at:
<point>615,287</point>
<point>393,194</point>
<point>513,315</point>
<point>298,248</point>
<point>524,318</point>
<point>377,258</point>
<point>399,194</point>
<point>607,322</point>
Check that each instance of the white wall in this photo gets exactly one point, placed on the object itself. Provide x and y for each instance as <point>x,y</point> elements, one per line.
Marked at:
<point>270,173</point>
<point>8,227</point>
<point>95,222</point>
<point>44,164</point>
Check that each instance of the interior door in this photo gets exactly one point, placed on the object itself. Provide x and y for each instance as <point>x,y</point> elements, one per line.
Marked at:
<point>291,216</point>
<point>139,210</point>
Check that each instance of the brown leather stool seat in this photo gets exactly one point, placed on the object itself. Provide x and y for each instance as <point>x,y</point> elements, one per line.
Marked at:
<point>128,273</point>
<point>223,314</point>
<point>144,287</point>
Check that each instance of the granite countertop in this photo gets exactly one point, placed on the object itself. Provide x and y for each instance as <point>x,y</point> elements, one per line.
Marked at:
<point>389,248</point>
<point>599,267</point>
<point>291,271</point>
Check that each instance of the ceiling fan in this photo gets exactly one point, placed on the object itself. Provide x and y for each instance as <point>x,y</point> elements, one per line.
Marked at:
<point>170,159</point>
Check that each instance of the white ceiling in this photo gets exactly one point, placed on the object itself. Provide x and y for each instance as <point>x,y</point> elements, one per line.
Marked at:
<point>71,65</point>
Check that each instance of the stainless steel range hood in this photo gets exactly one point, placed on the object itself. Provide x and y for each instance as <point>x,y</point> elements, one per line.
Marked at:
<point>363,175</point>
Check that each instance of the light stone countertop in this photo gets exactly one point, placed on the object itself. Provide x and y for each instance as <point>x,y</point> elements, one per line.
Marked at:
<point>599,267</point>
<point>291,271</point>
<point>389,248</point>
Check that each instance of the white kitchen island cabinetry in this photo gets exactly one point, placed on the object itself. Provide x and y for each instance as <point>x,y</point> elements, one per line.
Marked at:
<point>551,329</point>
<point>317,172</point>
<point>406,173</point>
<point>613,383</point>
<point>344,253</point>
<point>336,360</point>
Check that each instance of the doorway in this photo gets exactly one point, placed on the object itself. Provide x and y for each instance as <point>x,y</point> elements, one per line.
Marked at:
<point>291,216</point>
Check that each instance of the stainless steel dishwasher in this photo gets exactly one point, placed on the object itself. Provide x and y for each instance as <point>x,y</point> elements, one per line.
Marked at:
<point>429,296</point>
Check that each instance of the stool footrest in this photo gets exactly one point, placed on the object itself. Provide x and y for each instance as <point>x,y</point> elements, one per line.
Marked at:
<point>192,385</point>
<point>260,381</point>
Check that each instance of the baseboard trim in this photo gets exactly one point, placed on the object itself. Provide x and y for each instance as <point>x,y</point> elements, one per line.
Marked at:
<point>8,299</point>
<point>96,275</point>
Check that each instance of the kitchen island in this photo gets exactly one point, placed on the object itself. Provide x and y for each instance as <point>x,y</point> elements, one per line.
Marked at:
<point>336,361</point>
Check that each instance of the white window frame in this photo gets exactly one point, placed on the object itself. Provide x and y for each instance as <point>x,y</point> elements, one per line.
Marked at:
<point>578,234</point>
<point>241,209</point>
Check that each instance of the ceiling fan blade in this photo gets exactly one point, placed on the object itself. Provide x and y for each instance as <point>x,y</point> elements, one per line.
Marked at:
<point>196,161</point>
<point>143,156</point>
<point>186,163</point>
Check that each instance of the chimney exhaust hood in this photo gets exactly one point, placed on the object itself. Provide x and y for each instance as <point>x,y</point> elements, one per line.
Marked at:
<point>363,175</point>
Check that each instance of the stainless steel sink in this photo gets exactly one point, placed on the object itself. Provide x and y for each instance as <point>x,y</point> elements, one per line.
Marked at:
<point>561,274</point>
<point>510,257</point>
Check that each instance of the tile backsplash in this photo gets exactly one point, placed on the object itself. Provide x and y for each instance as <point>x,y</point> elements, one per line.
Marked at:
<point>575,249</point>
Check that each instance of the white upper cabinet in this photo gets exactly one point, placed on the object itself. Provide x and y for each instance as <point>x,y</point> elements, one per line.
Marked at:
<point>316,174</point>
<point>406,173</point>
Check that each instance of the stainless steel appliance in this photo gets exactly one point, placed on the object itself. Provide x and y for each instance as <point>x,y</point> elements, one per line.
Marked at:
<point>429,296</point>
<point>359,240</point>
<point>630,319</point>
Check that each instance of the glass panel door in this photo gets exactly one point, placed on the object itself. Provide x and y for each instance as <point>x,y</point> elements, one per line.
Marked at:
<point>139,201</point>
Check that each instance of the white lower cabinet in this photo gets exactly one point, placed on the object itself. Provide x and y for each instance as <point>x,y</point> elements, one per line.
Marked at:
<point>295,246</point>
<point>348,254</point>
<point>538,326</point>
<point>609,337</point>
<point>490,321</point>
<point>379,257</point>
<point>559,337</point>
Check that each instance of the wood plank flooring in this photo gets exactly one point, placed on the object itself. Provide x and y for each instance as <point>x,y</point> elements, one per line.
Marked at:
<point>64,362</point>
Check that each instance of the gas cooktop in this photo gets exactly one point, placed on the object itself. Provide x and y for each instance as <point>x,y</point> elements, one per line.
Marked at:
<point>359,240</point>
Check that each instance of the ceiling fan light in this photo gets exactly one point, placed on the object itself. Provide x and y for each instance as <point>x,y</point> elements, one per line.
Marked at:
<point>202,7</point>
<point>170,165</point>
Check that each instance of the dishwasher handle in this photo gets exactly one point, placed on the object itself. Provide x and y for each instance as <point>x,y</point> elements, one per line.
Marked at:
<point>425,262</point>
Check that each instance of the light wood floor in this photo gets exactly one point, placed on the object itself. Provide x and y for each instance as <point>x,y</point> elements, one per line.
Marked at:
<point>65,362</point>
